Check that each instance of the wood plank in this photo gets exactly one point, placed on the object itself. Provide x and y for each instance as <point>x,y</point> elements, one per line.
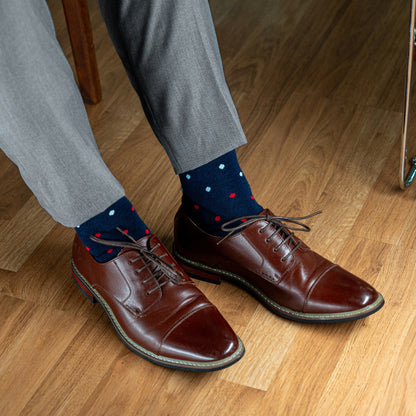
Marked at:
<point>45,278</point>
<point>14,194</point>
<point>374,349</point>
<point>272,336</point>
<point>89,359</point>
<point>32,339</point>
<point>21,235</point>
<point>223,398</point>
<point>387,204</point>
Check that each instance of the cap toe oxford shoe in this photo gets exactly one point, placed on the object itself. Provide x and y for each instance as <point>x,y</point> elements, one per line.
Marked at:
<point>155,308</point>
<point>264,257</point>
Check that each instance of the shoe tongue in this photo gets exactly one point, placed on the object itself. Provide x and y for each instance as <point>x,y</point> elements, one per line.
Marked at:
<point>144,241</point>
<point>150,241</point>
<point>147,241</point>
<point>266,211</point>
<point>284,231</point>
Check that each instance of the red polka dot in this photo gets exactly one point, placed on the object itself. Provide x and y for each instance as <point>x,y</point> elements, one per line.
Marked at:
<point>109,250</point>
<point>232,195</point>
<point>132,208</point>
<point>252,197</point>
<point>126,231</point>
<point>196,206</point>
<point>217,218</point>
<point>244,220</point>
<point>147,232</point>
<point>98,235</point>
<point>88,249</point>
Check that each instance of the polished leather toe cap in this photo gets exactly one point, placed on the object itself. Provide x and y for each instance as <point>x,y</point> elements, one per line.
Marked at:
<point>202,336</point>
<point>338,291</point>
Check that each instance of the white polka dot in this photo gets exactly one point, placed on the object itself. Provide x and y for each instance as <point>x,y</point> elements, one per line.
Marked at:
<point>222,166</point>
<point>241,173</point>
<point>188,176</point>
<point>111,213</point>
<point>77,226</point>
<point>208,189</point>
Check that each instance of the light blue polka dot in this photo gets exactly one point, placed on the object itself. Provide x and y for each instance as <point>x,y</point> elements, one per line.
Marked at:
<point>241,173</point>
<point>222,166</point>
<point>188,176</point>
<point>111,213</point>
<point>208,189</point>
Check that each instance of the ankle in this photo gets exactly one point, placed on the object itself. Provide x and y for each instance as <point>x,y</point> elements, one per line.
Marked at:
<point>217,192</point>
<point>120,215</point>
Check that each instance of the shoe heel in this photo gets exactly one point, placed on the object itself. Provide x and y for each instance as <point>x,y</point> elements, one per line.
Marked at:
<point>83,289</point>
<point>200,274</point>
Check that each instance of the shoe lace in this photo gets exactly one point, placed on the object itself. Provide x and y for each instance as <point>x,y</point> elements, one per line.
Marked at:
<point>282,225</point>
<point>161,271</point>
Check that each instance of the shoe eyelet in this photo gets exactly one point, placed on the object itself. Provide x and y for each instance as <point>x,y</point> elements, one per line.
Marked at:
<point>275,250</point>
<point>283,259</point>
<point>267,240</point>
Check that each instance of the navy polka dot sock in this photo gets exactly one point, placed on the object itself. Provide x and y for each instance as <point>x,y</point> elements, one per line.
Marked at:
<point>121,214</point>
<point>216,193</point>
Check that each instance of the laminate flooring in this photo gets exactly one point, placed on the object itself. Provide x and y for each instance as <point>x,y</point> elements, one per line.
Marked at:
<point>319,89</point>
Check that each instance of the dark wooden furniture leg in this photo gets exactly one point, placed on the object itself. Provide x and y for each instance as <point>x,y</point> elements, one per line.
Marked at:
<point>80,34</point>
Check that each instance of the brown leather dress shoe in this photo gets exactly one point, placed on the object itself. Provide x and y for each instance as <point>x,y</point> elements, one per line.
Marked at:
<point>155,308</point>
<point>263,256</point>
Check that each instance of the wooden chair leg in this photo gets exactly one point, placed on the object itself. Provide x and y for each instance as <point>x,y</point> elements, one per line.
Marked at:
<point>80,34</point>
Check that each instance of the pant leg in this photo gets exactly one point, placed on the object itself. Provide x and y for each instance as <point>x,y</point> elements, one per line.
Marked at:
<point>44,128</point>
<point>170,51</point>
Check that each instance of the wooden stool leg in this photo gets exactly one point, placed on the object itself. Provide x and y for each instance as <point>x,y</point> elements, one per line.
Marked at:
<point>80,34</point>
<point>406,179</point>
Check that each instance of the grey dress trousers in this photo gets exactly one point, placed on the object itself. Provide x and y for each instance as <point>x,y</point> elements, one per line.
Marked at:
<point>170,52</point>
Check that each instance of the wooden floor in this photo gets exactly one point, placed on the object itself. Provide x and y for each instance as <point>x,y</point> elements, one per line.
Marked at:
<point>319,89</point>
